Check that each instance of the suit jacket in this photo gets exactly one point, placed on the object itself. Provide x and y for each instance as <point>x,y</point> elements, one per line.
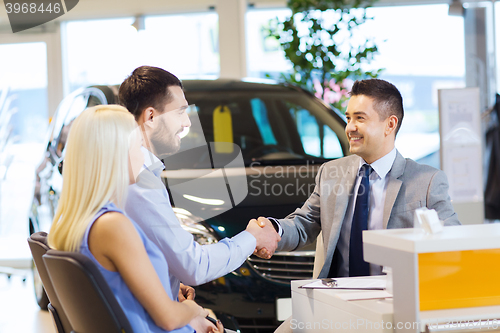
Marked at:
<point>410,186</point>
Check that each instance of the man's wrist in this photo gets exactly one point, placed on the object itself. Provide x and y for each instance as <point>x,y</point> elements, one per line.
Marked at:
<point>277,225</point>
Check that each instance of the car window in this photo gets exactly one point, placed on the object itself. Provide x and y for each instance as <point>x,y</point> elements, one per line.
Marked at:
<point>267,126</point>
<point>73,108</point>
<point>317,138</point>
<point>259,112</point>
<point>331,144</point>
<point>58,120</point>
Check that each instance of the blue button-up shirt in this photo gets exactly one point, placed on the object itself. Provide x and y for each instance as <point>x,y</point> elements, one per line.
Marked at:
<point>148,204</point>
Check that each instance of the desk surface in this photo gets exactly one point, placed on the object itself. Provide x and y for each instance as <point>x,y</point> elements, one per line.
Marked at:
<point>452,238</point>
<point>317,305</point>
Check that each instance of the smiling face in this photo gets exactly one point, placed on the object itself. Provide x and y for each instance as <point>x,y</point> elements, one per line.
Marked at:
<point>163,128</point>
<point>369,137</point>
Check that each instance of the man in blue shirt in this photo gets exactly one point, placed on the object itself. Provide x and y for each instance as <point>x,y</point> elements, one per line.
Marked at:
<point>156,99</point>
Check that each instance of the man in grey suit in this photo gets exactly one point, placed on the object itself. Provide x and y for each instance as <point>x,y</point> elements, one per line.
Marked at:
<point>390,186</point>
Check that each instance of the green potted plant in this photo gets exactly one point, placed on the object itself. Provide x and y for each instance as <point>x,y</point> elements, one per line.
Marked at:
<point>323,41</point>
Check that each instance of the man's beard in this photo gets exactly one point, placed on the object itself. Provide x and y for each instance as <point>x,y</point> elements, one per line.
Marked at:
<point>163,149</point>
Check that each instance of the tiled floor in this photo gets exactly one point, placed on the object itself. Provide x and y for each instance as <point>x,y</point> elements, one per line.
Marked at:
<point>19,312</point>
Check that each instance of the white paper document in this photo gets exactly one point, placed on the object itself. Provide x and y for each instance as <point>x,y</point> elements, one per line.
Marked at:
<point>350,283</point>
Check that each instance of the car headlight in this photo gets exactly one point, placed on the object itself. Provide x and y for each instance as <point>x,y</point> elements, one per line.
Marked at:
<point>193,225</point>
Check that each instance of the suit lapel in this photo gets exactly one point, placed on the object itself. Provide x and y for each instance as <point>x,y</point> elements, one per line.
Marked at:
<point>337,203</point>
<point>393,186</point>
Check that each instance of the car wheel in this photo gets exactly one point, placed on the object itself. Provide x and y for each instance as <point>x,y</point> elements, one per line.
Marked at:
<point>40,294</point>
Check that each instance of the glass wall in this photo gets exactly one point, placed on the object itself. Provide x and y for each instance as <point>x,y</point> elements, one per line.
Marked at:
<point>496,28</point>
<point>23,124</point>
<point>23,92</point>
<point>421,49</point>
<point>106,51</point>
<point>264,54</point>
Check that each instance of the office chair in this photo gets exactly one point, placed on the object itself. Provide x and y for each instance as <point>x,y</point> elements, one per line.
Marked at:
<point>84,294</point>
<point>39,246</point>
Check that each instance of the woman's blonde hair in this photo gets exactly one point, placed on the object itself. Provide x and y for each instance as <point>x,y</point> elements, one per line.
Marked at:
<point>95,171</point>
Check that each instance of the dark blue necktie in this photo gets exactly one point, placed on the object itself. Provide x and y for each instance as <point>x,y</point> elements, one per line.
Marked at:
<point>357,266</point>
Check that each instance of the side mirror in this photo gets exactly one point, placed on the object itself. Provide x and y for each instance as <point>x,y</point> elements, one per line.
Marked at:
<point>60,166</point>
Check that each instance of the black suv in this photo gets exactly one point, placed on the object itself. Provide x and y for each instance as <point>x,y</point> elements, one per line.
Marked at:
<point>283,135</point>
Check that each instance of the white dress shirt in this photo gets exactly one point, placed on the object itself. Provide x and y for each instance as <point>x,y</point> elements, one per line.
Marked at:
<point>148,204</point>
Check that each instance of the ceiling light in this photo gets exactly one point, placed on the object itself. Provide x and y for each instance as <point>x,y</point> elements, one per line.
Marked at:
<point>456,8</point>
<point>205,201</point>
<point>139,23</point>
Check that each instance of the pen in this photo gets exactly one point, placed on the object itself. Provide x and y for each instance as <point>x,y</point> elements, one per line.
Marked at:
<point>329,282</point>
<point>213,321</point>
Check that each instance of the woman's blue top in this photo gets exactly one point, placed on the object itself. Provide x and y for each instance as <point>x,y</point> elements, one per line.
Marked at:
<point>138,317</point>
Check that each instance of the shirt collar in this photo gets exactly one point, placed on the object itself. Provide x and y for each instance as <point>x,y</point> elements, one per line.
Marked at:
<point>383,165</point>
<point>152,163</point>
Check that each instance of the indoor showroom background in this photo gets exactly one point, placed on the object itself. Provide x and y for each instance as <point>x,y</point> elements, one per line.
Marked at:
<point>423,46</point>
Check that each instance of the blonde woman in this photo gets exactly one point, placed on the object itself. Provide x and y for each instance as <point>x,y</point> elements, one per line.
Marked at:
<point>102,156</point>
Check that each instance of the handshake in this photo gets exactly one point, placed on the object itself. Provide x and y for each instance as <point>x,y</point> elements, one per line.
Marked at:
<point>265,234</point>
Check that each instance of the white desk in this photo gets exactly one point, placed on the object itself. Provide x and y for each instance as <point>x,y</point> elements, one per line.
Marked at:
<point>452,276</point>
<point>320,310</point>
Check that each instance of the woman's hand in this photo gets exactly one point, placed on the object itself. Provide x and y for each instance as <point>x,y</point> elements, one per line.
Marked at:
<point>203,325</point>
<point>201,312</point>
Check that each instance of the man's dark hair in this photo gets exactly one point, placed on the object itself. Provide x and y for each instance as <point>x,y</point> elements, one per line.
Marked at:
<point>147,86</point>
<point>388,100</point>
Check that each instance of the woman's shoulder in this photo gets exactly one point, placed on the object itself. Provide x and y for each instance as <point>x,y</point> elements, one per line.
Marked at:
<point>112,221</point>
<point>115,227</point>
<point>112,233</point>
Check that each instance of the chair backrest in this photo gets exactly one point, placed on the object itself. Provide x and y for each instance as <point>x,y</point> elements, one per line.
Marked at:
<point>39,246</point>
<point>84,294</point>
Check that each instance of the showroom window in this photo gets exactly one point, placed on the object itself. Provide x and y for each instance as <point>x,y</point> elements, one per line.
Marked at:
<point>264,54</point>
<point>23,125</point>
<point>107,51</point>
<point>418,58</point>
<point>496,26</point>
<point>23,92</point>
